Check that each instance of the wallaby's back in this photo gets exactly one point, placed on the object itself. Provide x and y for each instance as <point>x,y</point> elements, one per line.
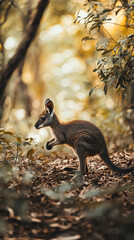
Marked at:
<point>85,132</point>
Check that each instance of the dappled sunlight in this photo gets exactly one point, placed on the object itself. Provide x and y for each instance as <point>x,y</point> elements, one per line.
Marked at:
<point>19,114</point>
<point>10,43</point>
<point>65,82</point>
<point>62,62</point>
<point>39,136</point>
<point>27,77</point>
<point>56,30</point>
<point>60,66</point>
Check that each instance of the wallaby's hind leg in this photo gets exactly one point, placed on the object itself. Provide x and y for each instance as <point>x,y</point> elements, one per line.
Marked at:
<point>80,151</point>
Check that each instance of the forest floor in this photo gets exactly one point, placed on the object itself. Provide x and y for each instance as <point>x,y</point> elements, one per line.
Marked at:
<point>40,200</point>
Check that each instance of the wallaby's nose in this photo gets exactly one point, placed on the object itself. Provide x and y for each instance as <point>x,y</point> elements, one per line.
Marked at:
<point>36,125</point>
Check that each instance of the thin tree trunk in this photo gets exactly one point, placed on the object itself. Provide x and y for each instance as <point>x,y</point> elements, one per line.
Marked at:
<point>21,51</point>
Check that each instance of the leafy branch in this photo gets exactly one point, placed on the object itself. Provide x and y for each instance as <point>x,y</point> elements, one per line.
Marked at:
<point>116,65</point>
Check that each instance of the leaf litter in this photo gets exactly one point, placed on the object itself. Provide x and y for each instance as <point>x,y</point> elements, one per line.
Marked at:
<point>40,200</point>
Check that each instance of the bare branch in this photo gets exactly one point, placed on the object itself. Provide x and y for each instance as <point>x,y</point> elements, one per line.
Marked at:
<point>6,14</point>
<point>15,6</point>
<point>108,33</point>
<point>121,25</point>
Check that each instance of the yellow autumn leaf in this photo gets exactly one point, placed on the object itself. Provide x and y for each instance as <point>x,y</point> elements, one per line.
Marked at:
<point>9,133</point>
<point>18,139</point>
<point>1,147</point>
<point>30,152</point>
<point>0,47</point>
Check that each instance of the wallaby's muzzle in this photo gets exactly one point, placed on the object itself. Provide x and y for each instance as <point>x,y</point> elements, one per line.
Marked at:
<point>36,125</point>
<point>39,124</point>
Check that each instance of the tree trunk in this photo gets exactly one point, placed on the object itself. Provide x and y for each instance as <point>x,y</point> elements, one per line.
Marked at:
<point>21,51</point>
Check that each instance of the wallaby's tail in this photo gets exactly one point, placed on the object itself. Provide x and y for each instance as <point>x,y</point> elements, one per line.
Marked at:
<point>112,166</point>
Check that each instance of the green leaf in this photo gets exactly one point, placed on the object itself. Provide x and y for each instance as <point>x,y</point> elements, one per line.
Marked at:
<point>130,36</point>
<point>93,27</point>
<point>76,19</point>
<point>102,74</point>
<point>16,143</point>
<point>107,51</point>
<point>131,24</point>
<point>87,38</point>
<point>107,10</point>
<point>100,49</point>
<point>105,89</point>
<point>116,12</point>
<point>98,3</point>
<point>26,143</point>
<point>95,69</point>
<point>102,44</point>
<point>91,91</point>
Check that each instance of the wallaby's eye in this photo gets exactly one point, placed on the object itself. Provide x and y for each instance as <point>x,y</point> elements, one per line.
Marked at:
<point>43,118</point>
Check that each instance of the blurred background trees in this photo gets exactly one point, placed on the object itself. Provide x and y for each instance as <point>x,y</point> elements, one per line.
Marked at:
<point>17,60</point>
<point>60,66</point>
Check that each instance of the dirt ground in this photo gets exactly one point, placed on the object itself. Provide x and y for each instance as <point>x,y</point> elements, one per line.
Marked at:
<point>43,201</point>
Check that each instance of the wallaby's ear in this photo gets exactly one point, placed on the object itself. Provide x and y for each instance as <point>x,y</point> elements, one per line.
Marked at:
<point>49,105</point>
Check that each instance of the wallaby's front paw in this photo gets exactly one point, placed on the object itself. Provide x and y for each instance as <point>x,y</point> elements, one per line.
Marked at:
<point>48,147</point>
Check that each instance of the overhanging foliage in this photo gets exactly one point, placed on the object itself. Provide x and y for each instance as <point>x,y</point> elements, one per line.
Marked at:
<point>116,65</point>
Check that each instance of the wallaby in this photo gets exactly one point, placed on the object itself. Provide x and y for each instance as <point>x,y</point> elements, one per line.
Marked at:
<point>84,137</point>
